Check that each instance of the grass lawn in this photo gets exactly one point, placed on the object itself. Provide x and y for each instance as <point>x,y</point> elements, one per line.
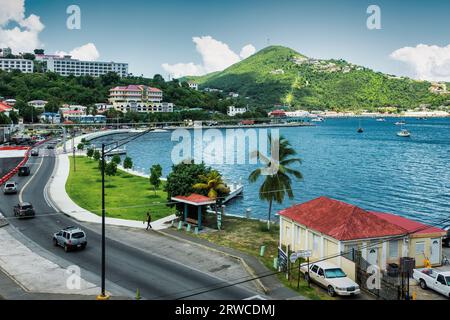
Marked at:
<point>127,196</point>
<point>248,236</point>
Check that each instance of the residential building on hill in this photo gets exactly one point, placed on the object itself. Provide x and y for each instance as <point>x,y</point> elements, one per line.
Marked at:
<point>138,98</point>
<point>23,65</point>
<point>193,85</point>
<point>65,65</point>
<point>334,229</point>
<point>38,104</point>
<point>233,111</point>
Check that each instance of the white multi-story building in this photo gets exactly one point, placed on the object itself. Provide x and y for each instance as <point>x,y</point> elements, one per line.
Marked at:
<point>193,85</point>
<point>38,104</point>
<point>65,65</point>
<point>138,98</point>
<point>23,65</point>
<point>232,111</point>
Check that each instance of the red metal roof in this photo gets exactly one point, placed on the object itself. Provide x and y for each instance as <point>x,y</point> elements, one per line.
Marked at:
<point>134,87</point>
<point>194,199</point>
<point>4,107</point>
<point>407,224</point>
<point>344,221</point>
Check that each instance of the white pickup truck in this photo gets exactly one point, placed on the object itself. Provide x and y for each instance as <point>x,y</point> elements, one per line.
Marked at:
<point>433,279</point>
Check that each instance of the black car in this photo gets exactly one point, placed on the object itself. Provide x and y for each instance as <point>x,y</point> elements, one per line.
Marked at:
<point>24,210</point>
<point>24,171</point>
<point>51,146</point>
<point>35,152</point>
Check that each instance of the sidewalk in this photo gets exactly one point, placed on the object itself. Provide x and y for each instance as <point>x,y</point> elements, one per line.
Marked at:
<point>271,285</point>
<point>62,202</point>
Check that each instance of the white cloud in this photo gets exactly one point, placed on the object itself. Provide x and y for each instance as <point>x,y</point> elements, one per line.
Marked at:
<point>247,51</point>
<point>87,52</point>
<point>216,56</point>
<point>24,35</point>
<point>428,62</point>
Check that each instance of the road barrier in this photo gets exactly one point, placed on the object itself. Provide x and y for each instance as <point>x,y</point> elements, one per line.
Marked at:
<point>10,174</point>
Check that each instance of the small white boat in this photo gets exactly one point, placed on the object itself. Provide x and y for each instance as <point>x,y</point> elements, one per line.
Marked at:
<point>381,120</point>
<point>317,119</point>
<point>404,133</point>
<point>400,123</point>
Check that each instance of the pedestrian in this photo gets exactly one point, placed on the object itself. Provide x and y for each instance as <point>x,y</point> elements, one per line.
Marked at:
<point>149,220</point>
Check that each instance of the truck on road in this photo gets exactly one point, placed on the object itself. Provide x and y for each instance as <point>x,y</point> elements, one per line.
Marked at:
<point>433,279</point>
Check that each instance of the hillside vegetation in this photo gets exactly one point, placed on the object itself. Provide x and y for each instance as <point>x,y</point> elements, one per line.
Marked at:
<point>279,75</point>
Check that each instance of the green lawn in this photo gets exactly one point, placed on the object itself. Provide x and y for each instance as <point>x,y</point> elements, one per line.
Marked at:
<point>127,196</point>
<point>248,236</point>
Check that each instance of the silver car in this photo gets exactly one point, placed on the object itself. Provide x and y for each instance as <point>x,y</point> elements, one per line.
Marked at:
<point>10,188</point>
<point>70,238</point>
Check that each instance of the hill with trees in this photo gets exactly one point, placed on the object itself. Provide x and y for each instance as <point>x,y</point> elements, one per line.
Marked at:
<point>279,75</point>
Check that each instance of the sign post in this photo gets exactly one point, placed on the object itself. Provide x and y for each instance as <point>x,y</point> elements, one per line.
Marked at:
<point>300,254</point>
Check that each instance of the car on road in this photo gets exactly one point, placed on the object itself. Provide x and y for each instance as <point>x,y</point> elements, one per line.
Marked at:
<point>10,188</point>
<point>433,279</point>
<point>24,171</point>
<point>35,152</point>
<point>70,238</point>
<point>24,210</point>
<point>330,277</point>
<point>50,146</point>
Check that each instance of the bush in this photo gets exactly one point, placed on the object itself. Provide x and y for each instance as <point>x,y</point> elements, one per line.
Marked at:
<point>97,155</point>
<point>111,169</point>
<point>80,146</point>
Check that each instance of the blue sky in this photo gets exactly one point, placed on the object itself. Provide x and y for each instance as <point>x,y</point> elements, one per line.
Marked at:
<point>147,34</point>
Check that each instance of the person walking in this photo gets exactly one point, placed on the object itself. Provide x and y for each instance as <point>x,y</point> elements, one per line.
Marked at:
<point>149,220</point>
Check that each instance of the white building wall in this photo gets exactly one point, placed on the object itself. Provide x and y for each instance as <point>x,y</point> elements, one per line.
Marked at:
<point>24,65</point>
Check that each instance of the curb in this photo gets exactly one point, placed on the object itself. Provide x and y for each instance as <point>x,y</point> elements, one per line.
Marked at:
<point>241,260</point>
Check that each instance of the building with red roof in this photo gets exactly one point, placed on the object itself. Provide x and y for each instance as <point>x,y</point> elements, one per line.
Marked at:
<point>138,98</point>
<point>5,109</point>
<point>330,227</point>
<point>193,207</point>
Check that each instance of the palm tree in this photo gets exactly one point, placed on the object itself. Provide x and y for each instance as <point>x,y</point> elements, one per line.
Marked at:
<point>276,184</point>
<point>213,183</point>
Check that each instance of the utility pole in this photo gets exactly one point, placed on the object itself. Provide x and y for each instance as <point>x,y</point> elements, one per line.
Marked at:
<point>103,224</point>
<point>73,150</point>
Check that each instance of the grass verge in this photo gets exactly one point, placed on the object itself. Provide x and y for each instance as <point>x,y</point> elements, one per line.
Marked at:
<point>127,196</point>
<point>248,235</point>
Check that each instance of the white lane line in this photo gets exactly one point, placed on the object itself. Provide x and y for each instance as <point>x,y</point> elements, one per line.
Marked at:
<point>28,182</point>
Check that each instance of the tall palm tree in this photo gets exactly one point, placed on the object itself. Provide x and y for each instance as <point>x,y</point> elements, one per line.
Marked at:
<point>213,183</point>
<point>277,183</point>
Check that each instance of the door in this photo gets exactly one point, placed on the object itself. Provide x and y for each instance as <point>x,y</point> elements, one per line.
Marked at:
<point>435,251</point>
<point>372,256</point>
<point>441,285</point>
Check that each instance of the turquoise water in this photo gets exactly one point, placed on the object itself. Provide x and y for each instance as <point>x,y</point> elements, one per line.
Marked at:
<point>375,170</point>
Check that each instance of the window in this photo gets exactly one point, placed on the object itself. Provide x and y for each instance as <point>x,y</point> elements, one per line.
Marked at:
<point>420,247</point>
<point>314,268</point>
<point>315,242</point>
<point>393,249</point>
<point>350,251</point>
<point>441,280</point>
<point>320,273</point>
<point>298,235</point>
<point>334,273</point>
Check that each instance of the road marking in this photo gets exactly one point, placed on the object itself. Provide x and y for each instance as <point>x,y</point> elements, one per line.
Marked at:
<point>28,182</point>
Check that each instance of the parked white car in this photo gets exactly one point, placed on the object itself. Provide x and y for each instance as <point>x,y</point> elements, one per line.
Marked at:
<point>332,278</point>
<point>433,279</point>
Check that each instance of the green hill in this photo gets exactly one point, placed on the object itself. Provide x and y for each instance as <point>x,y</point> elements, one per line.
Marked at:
<point>279,75</point>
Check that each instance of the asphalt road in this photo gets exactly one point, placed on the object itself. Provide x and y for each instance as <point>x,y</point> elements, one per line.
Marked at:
<point>126,266</point>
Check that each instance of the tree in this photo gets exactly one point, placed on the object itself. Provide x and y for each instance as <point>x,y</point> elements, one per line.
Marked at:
<point>80,146</point>
<point>213,184</point>
<point>90,152</point>
<point>275,186</point>
<point>155,176</point>
<point>116,159</point>
<point>111,169</point>
<point>128,163</point>
<point>182,178</point>
<point>97,155</point>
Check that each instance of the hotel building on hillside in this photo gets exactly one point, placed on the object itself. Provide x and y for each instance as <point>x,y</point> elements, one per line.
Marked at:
<point>65,65</point>
<point>23,65</point>
<point>138,98</point>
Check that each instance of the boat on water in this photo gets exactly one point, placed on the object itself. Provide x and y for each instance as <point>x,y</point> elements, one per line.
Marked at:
<point>360,130</point>
<point>400,123</point>
<point>381,120</point>
<point>317,119</point>
<point>404,133</point>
